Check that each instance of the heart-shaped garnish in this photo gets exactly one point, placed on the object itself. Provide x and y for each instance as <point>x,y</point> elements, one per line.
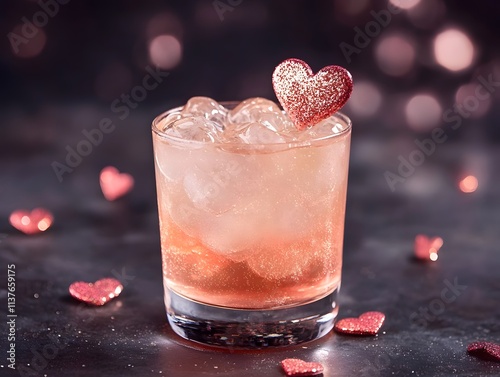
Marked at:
<point>297,367</point>
<point>485,350</point>
<point>36,221</point>
<point>427,248</point>
<point>97,293</point>
<point>115,184</point>
<point>309,98</point>
<point>366,324</point>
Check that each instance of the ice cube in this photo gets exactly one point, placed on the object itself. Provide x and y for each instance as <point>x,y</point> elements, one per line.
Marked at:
<point>234,234</point>
<point>194,128</point>
<point>251,109</point>
<point>206,192</point>
<point>191,259</point>
<point>172,117</point>
<point>295,218</point>
<point>257,133</point>
<point>260,110</point>
<point>184,214</point>
<point>171,160</point>
<point>218,181</point>
<point>206,107</point>
<point>323,129</point>
<point>228,234</point>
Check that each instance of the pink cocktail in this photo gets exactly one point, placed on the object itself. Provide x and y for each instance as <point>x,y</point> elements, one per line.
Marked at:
<point>251,221</point>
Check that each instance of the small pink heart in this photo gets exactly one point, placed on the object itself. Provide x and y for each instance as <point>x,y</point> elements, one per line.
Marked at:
<point>427,248</point>
<point>115,184</point>
<point>485,350</point>
<point>309,98</point>
<point>36,221</point>
<point>97,293</point>
<point>297,367</point>
<point>366,324</point>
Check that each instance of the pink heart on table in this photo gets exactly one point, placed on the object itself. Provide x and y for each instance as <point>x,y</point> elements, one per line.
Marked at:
<point>97,293</point>
<point>366,324</point>
<point>485,350</point>
<point>297,367</point>
<point>427,248</point>
<point>36,221</point>
<point>309,98</point>
<point>115,184</point>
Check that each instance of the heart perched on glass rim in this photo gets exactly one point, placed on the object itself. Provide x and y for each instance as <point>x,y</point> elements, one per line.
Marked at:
<point>309,98</point>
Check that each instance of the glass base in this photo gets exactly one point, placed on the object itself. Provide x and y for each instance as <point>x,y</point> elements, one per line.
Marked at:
<point>250,329</point>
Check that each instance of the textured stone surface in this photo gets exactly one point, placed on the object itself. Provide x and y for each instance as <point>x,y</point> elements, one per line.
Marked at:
<point>428,325</point>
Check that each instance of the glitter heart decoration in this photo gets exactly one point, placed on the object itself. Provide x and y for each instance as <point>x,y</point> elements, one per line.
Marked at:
<point>368,323</point>
<point>485,350</point>
<point>297,367</point>
<point>31,222</point>
<point>309,98</point>
<point>115,184</point>
<point>98,293</point>
<point>427,248</point>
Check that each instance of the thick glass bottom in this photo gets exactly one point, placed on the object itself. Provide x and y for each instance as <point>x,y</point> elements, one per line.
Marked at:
<point>250,329</point>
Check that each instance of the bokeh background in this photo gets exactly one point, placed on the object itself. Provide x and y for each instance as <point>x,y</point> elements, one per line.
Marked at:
<point>413,72</point>
<point>421,73</point>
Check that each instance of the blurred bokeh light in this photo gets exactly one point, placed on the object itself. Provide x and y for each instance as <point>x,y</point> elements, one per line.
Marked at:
<point>427,14</point>
<point>453,50</point>
<point>165,51</point>
<point>426,182</point>
<point>395,55</point>
<point>365,100</point>
<point>166,23</point>
<point>479,103</point>
<point>25,45</point>
<point>469,184</point>
<point>350,7</point>
<point>404,4</point>
<point>423,112</point>
<point>414,69</point>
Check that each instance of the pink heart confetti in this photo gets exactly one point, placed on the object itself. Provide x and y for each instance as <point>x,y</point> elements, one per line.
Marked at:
<point>115,184</point>
<point>36,221</point>
<point>297,367</point>
<point>309,98</point>
<point>98,293</point>
<point>366,324</point>
<point>485,350</point>
<point>427,248</point>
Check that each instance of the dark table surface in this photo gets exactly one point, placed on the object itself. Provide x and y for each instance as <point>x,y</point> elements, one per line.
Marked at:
<point>425,333</point>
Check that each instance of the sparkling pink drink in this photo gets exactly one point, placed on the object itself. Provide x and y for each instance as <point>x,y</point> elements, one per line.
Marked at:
<point>251,218</point>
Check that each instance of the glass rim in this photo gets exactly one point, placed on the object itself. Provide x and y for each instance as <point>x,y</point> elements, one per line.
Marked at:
<point>229,104</point>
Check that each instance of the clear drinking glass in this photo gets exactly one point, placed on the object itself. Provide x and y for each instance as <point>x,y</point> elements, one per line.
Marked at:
<point>251,235</point>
